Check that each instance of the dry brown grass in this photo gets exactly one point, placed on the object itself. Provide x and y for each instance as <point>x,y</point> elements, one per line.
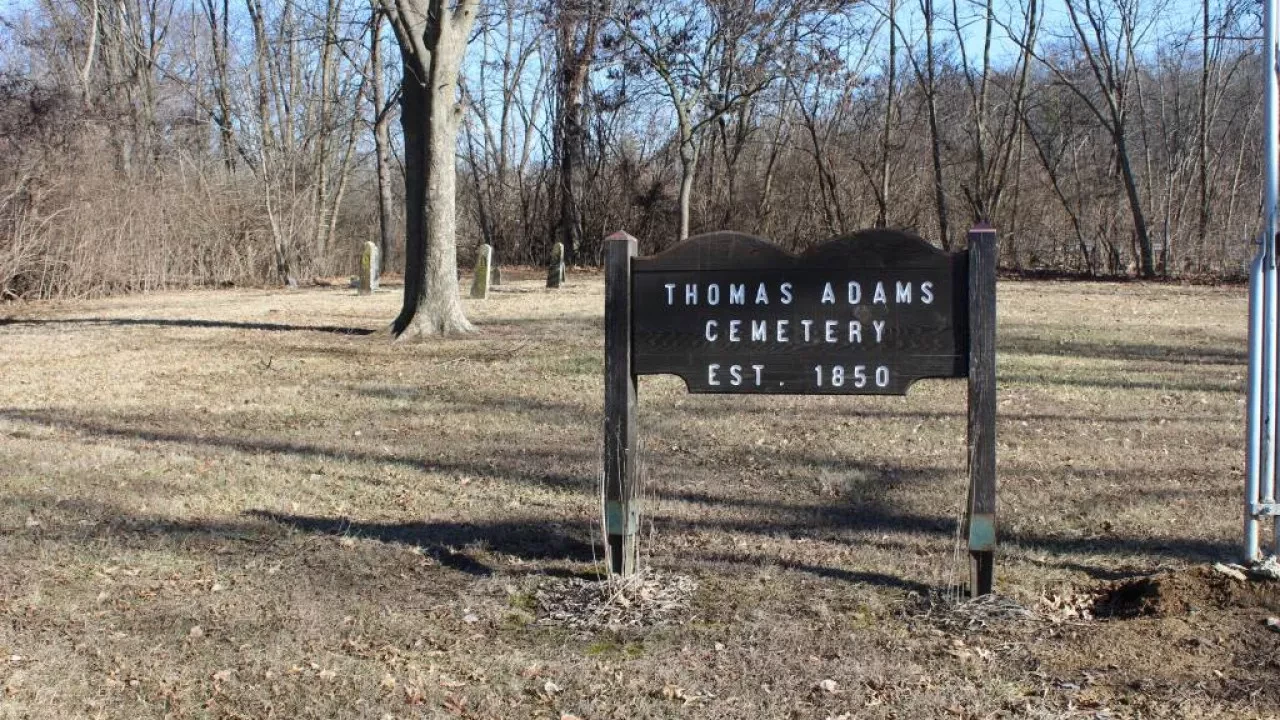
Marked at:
<point>212,511</point>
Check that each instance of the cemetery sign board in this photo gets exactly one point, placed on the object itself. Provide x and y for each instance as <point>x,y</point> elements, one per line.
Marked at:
<point>866,314</point>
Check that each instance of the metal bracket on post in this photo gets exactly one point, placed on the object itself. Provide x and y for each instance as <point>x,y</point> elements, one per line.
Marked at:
<point>1264,509</point>
<point>980,514</point>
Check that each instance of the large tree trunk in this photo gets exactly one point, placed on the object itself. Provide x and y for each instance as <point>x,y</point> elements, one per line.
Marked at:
<point>571,79</point>
<point>569,229</point>
<point>429,116</point>
<point>575,62</point>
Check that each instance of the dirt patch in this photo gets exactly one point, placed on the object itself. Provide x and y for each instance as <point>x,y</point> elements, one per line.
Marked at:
<point>1184,592</point>
<point>646,599</point>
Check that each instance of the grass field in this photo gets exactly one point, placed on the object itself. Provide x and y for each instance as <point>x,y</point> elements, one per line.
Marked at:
<point>245,504</point>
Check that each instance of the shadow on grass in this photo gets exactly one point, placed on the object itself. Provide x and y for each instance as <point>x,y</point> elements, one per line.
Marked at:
<point>529,539</point>
<point>865,505</point>
<point>863,577</point>
<point>254,446</point>
<point>191,323</point>
<point>1017,343</point>
<point>461,546</point>
<point>1191,550</point>
<point>1121,383</point>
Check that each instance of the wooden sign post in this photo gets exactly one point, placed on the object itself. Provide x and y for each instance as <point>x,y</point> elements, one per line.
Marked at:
<point>866,314</point>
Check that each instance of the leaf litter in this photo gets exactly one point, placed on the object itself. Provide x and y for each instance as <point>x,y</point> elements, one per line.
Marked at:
<point>646,599</point>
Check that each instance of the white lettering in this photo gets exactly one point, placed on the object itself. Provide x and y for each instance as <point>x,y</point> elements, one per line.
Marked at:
<point>855,331</point>
<point>904,292</point>
<point>855,293</point>
<point>879,326</point>
<point>711,333</point>
<point>711,374</point>
<point>713,294</point>
<point>691,294</point>
<point>785,290</point>
<point>737,294</point>
<point>806,324</point>
<point>879,297</point>
<point>760,330</point>
<point>671,293</point>
<point>831,330</point>
<point>782,331</point>
<point>735,375</point>
<point>762,295</point>
<point>828,295</point>
<point>758,369</point>
<point>882,376</point>
<point>734,326</point>
<point>926,293</point>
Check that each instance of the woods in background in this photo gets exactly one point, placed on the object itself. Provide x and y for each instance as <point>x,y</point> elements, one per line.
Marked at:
<point>163,143</point>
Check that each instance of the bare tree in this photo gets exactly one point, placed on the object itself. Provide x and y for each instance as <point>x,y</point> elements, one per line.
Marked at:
<point>1104,35</point>
<point>382,115</point>
<point>504,93</point>
<point>433,39</point>
<point>709,58</point>
<point>926,72</point>
<point>995,127</point>
<point>576,24</point>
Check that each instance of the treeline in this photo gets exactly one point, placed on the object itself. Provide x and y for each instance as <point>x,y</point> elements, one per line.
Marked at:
<point>162,143</point>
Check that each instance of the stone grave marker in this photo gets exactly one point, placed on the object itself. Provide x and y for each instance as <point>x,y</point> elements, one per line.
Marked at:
<point>369,270</point>
<point>480,281</point>
<point>555,271</point>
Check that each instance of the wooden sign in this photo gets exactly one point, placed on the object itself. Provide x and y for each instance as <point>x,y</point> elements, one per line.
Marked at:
<point>866,314</point>
<point>869,313</point>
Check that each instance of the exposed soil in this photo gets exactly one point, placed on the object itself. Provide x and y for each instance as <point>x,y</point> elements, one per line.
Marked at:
<point>1182,592</point>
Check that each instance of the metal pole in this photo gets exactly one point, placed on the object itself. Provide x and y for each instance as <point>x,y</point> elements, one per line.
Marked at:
<point>1267,453</point>
<point>1262,459</point>
<point>1271,187</point>
<point>1254,418</point>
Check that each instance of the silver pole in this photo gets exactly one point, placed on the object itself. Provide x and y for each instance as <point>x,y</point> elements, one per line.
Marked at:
<point>1271,186</point>
<point>1267,452</point>
<point>1254,419</point>
<point>1261,460</point>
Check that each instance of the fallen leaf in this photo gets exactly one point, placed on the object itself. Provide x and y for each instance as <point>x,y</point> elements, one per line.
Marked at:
<point>829,686</point>
<point>456,705</point>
